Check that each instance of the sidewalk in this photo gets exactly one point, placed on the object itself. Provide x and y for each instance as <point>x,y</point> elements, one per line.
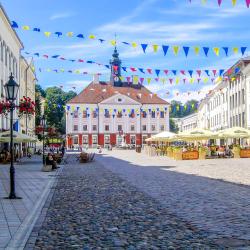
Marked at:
<point>17,217</point>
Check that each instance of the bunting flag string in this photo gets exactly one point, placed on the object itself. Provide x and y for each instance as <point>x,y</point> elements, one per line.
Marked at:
<point>219,2</point>
<point>176,49</point>
<point>157,72</point>
<point>137,80</point>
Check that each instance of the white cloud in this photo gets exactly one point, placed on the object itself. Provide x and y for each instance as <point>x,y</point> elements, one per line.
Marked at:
<point>61,15</point>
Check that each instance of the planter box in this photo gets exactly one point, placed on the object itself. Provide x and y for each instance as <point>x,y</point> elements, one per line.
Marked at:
<point>190,155</point>
<point>245,153</point>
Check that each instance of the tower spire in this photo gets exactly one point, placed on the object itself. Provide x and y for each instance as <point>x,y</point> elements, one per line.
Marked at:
<point>115,64</point>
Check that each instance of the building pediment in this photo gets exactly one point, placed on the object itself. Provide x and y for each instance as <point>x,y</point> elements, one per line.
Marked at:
<point>120,99</point>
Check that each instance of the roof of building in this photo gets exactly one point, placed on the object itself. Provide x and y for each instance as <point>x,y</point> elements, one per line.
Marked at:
<point>97,92</point>
<point>243,61</point>
<point>6,16</point>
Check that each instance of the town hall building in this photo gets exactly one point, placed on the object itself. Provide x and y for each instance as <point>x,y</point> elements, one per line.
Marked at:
<point>114,113</point>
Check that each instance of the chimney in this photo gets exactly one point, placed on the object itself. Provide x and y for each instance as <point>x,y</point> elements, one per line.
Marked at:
<point>96,79</point>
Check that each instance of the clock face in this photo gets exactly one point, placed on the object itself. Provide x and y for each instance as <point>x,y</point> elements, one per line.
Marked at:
<point>116,79</point>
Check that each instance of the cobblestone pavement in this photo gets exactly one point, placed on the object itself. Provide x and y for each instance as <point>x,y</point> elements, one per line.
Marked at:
<point>93,208</point>
<point>221,208</point>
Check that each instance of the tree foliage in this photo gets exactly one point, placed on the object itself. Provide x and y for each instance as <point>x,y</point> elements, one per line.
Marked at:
<point>179,110</point>
<point>173,127</point>
<point>55,101</point>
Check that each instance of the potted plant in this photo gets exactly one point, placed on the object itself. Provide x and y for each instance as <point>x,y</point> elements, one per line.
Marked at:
<point>26,107</point>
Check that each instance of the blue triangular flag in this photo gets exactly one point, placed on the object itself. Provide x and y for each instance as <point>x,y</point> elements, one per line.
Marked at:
<point>190,73</point>
<point>89,61</point>
<point>205,49</point>
<point>126,43</point>
<point>27,53</point>
<point>144,46</point>
<point>72,60</point>
<point>186,50</point>
<point>101,40</point>
<point>107,66</point>
<point>243,50</point>
<point>207,72</point>
<point>165,49</point>
<point>36,54</point>
<point>142,70</point>
<point>58,33</point>
<point>226,50</point>
<point>236,70</point>
<point>157,72</point>
<point>221,72</point>
<point>70,71</point>
<point>80,36</point>
<point>14,25</point>
<point>124,69</point>
<point>68,107</point>
<point>55,56</point>
<point>174,72</point>
<point>37,29</point>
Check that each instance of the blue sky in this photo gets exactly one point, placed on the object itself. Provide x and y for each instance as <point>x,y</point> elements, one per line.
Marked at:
<point>171,22</point>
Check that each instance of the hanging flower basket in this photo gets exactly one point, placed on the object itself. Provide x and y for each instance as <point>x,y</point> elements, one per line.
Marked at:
<point>4,108</point>
<point>26,107</point>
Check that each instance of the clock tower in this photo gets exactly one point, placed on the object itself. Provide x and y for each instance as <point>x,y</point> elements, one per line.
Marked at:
<point>115,64</point>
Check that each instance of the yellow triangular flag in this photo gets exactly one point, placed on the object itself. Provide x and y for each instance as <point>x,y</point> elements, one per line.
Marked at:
<point>196,50</point>
<point>191,80</point>
<point>26,27</point>
<point>205,79</point>
<point>234,2</point>
<point>121,78</point>
<point>134,45</point>
<point>135,80</point>
<point>69,34</point>
<point>77,71</point>
<point>177,80</point>
<point>48,70</point>
<point>91,36</point>
<point>113,42</point>
<point>176,49</point>
<point>47,33</point>
<point>149,80</point>
<point>155,47</point>
<point>203,1</point>
<point>235,50</point>
<point>62,70</point>
<point>216,51</point>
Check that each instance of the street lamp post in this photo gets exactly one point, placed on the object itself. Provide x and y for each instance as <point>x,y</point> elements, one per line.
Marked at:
<point>44,125</point>
<point>11,89</point>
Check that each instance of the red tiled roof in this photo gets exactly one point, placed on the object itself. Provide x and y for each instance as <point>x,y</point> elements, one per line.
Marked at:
<point>97,92</point>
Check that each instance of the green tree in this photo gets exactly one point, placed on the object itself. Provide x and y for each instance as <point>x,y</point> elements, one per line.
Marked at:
<point>56,99</point>
<point>173,127</point>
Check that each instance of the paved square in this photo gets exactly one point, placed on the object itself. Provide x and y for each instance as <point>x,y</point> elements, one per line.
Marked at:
<point>17,216</point>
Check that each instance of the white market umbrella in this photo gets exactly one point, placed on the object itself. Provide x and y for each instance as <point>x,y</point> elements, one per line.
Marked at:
<point>17,137</point>
<point>196,135</point>
<point>163,136</point>
<point>234,132</point>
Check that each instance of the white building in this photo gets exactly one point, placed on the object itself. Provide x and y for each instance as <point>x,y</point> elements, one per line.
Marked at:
<point>187,123</point>
<point>115,112</point>
<point>10,46</point>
